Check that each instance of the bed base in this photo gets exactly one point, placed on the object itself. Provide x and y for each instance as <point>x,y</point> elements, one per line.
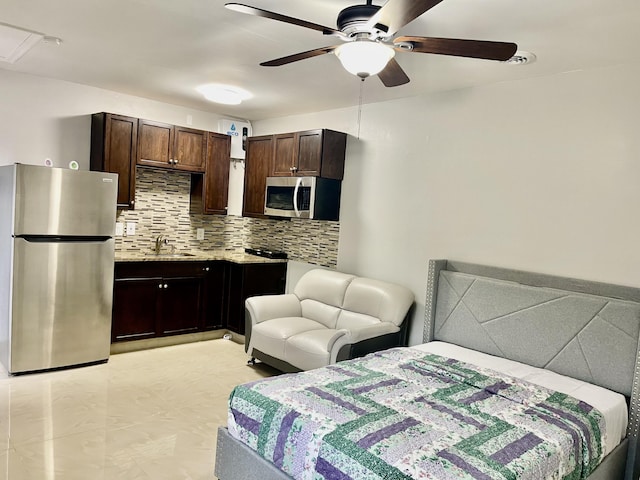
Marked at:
<point>236,461</point>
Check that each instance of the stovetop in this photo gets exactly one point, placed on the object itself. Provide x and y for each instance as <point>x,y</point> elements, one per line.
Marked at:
<point>264,252</point>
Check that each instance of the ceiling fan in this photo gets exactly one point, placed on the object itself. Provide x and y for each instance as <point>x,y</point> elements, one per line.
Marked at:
<point>369,48</point>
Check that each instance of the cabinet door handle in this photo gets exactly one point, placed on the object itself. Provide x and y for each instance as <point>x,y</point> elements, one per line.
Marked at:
<point>175,160</point>
<point>166,286</point>
<point>206,269</point>
<point>160,286</point>
<point>171,161</point>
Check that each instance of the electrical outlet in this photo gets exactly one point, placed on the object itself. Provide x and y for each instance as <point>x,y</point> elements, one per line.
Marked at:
<point>131,228</point>
<point>119,229</point>
<point>200,234</point>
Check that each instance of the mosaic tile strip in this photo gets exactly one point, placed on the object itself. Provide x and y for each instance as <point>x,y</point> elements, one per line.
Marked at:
<point>162,207</point>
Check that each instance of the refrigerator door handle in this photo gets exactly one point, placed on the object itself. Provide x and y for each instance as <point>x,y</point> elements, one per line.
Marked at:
<point>59,239</point>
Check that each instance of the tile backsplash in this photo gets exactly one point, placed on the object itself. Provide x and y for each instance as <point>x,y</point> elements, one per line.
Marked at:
<point>162,207</point>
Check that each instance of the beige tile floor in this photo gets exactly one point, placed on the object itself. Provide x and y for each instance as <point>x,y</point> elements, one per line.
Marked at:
<point>151,414</point>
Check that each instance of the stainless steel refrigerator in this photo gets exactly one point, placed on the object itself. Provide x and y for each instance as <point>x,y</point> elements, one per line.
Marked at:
<point>56,266</point>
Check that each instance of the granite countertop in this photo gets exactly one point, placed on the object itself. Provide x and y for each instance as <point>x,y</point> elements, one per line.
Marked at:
<point>236,256</point>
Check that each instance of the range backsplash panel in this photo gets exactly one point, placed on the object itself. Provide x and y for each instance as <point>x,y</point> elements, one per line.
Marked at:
<point>162,208</point>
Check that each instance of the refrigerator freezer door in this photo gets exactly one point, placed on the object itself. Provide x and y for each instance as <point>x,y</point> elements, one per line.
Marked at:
<point>61,303</point>
<point>55,201</point>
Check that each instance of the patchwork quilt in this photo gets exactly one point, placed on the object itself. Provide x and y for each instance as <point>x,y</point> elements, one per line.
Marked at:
<point>404,414</point>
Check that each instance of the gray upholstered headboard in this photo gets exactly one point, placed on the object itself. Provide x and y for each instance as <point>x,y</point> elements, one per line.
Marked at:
<point>585,330</point>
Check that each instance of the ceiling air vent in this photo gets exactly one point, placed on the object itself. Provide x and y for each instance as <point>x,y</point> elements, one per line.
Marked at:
<point>15,42</point>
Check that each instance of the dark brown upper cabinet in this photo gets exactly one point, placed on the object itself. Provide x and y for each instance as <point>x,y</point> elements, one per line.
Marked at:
<point>209,192</point>
<point>284,161</point>
<point>257,165</point>
<point>113,149</point>
<point>167,146</point>
<point>312,153</point>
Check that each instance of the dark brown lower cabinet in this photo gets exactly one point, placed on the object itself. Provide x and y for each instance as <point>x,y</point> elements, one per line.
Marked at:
<point>248,280</point>
<point>215,282</point>
<point>135,308</point>
<point>154,299</point>
<point>180,306</point>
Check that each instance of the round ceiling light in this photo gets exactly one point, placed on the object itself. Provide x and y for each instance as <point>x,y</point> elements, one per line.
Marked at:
<point>226,94</point>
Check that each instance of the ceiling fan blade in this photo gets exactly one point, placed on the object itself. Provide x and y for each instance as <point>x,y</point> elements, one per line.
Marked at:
<point>393,75</point>
<point>395,14</point>
<point>297,56</point>
<point>460,48</point>
<point>238,7</point>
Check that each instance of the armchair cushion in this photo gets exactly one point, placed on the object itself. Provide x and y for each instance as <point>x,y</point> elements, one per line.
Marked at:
<point>329,289</point>
<point>329,317</point>
<point>385,301</point>
<point>272,335</point>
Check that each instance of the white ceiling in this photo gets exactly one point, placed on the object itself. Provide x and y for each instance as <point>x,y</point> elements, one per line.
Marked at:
<point>164,49</point>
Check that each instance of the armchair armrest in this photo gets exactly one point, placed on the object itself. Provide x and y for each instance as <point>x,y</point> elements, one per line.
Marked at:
<point>360,341</point>
<point>267,307</point>
<point>371,331</point>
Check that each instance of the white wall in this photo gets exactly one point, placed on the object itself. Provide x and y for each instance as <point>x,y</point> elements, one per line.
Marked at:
<point>45,118</point>
<point>540,175</point>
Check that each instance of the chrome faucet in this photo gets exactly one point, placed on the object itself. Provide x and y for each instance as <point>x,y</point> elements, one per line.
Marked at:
<point>159,241</point>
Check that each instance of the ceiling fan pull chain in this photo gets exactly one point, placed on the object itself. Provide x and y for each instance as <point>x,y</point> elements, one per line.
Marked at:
<point>360,106</point>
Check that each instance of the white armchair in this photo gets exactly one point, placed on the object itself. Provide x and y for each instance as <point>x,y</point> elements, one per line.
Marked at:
<point>330,316</point>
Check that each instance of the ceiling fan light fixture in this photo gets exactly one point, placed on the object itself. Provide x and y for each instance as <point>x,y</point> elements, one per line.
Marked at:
<point>225,94</point>
<point>364,57</point>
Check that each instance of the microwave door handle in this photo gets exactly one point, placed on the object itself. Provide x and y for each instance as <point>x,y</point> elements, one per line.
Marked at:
<point>295,196</point>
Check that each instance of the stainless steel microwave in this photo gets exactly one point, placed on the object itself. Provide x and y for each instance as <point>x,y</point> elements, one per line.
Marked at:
<point>303,197</point>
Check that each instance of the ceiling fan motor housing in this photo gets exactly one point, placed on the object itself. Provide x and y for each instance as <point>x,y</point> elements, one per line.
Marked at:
<point>353,20</point>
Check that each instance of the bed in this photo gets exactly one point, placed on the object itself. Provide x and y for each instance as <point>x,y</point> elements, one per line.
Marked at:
<point>478,320</point>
